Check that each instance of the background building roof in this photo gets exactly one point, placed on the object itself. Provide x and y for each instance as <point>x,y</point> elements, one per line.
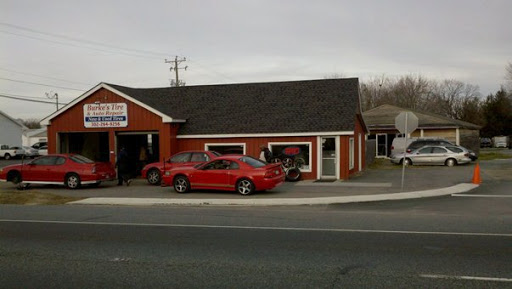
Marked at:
<point>383,117</point>
<point>328,105</point>
<point>15,121</point>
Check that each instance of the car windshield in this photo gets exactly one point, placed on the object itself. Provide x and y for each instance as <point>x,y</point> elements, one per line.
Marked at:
<point>252,162</point>
<point>217,154</point>
<point>81,159</point>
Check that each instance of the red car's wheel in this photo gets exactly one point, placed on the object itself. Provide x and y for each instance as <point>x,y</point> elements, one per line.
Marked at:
<point>181,184</point>
<point>14,177</point>
<point>153,177</point>
<point>245,187</point>
<point>72,181</point>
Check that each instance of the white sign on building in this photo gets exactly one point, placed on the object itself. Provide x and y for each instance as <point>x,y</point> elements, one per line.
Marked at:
<point>97,115</point>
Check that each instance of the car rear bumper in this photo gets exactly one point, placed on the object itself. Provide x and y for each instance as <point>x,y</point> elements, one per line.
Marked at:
<point>267,184</point>
<point>99,177</point>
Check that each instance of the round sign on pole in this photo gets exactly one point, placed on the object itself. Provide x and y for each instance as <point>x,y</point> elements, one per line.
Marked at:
<point>406,122</point>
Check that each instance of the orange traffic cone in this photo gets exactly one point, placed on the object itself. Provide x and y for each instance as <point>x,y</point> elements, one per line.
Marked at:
<point>476,175</point>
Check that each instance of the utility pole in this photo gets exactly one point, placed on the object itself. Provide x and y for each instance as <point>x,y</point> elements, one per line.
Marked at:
<point>52,95</point>
<point>176,67</point>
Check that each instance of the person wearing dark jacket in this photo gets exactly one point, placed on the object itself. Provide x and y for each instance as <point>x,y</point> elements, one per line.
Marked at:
<point>265,154</point>
<point>123,168</point>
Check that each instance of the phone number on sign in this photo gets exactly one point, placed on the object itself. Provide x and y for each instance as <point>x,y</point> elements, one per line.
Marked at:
<point>105,124</point>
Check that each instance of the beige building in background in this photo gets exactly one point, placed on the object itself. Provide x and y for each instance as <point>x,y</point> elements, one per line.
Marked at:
<point>381,123</point>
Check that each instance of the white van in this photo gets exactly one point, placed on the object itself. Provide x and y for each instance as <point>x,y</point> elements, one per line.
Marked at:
<point>398,145</point>
<point>500,141</point>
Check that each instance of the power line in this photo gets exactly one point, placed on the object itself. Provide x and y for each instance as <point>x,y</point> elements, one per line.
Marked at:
<point>47,77</point>
<point>23,96</point>
<point>120,50</point>
<point>74,45</point>
<point>213,71</point>
<point>82,40</point>
<point>29,100</point>
<point>41,84</point>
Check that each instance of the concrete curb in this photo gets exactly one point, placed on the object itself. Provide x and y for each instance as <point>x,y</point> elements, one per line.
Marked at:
<point>460,188</point>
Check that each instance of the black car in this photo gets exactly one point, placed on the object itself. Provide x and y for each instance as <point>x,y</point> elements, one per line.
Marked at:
<point>427,142</point>
<point>40,144</point>
<point>485,142</point>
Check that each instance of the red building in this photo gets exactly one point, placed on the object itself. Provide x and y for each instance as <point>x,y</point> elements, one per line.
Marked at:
<point>319,121</point>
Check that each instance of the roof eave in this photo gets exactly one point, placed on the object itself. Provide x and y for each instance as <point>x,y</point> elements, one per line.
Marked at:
<point>165,118</point>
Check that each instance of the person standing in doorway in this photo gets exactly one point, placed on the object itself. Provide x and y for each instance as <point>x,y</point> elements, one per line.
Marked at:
<point>265,154</point>
<point>123,168</point>
<point>143,159</point>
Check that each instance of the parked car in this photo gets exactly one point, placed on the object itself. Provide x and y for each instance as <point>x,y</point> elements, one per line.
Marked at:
<point>153,171</point>
<point>240,173</point>
<point>472,155</point>
<point>416,144</point>
<point>485,142</point>
<point>71,170</point>
<point>434,155</point>
<point>26,151</point>
<point>43,150</point>
<point>7,152</point>
<point>40,144</point>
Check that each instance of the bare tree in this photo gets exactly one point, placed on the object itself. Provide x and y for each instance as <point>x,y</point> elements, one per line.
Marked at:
<point>450,98</point>
<point>31,123</point>
<point>372,92</point>
<point>410,91</point>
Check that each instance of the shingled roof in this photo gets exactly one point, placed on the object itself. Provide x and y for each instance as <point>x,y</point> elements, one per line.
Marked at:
<point>383,117</point>
<point>328,105</point>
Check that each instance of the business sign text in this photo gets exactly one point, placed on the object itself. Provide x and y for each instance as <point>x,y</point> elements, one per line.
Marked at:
<point>98,115</point>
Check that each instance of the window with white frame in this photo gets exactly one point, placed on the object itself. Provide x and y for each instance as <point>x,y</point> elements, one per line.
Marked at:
<point>296,154</point>
<point>226,148</point>
<point>351,153</point>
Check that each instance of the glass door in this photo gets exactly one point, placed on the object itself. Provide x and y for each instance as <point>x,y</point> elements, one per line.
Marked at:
<point>329,157</point>
<point>382,145</point>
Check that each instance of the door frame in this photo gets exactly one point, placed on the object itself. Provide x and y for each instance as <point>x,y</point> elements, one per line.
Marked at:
<point>377,145</point>
<point>336,157</point>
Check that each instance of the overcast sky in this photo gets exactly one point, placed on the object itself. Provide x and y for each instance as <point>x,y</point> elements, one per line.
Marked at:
<point>67,47</point>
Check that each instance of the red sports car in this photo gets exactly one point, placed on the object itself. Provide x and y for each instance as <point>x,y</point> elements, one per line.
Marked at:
<point>240,173</point>
<point>71,170</point>
<point>153,172</point>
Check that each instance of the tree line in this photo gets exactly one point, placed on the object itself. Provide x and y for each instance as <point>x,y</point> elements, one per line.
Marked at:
<point>450,98</point>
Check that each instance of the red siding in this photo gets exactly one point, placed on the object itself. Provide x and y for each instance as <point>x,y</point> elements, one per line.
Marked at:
<point>252,146</point>
<point>139,119</point>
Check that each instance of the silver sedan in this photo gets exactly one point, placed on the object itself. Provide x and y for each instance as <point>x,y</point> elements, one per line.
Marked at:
<point>434,155</point>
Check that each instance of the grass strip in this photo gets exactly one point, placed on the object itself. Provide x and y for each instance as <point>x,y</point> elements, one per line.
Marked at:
<point>16,197</point>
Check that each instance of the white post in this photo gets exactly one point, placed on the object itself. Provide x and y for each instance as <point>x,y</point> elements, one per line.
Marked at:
<point>405,150</point>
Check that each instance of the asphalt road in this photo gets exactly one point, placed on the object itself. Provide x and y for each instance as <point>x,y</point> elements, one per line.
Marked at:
<point>449,242</point>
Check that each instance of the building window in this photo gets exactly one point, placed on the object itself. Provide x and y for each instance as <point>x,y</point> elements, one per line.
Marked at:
<point>226,148</point>
<point>351,153</point>
<point>296,154</point>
